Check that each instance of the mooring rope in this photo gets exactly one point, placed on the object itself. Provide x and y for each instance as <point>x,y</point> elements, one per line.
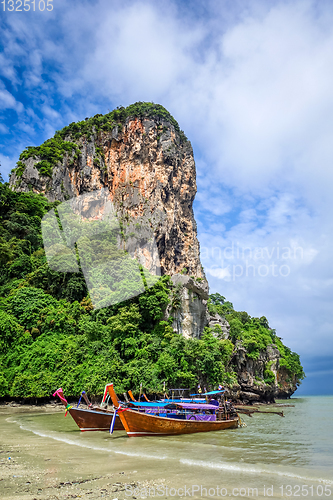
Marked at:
<point>240,424</point>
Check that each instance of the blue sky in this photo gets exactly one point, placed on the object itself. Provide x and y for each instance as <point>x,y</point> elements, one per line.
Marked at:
<point>251,84</point>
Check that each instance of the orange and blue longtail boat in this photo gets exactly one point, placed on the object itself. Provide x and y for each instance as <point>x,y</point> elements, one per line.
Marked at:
<point>160,419</point>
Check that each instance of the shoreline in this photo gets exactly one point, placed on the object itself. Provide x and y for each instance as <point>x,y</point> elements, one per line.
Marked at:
<point>44,456</point>
<point>35,467</point>
<point>39,466</point>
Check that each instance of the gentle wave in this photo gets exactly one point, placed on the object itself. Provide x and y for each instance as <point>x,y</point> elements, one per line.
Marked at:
<point>64,440</point>
<point>250,469</point>
<point>141,455</point>
<point>91,447</point>
<point>233,466</point>
<point>169,441</point>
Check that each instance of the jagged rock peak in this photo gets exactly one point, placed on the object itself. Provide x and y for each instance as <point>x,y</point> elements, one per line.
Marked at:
<point>140,154</point>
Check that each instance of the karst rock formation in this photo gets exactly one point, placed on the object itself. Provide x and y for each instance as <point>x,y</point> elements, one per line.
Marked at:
<point>145,161</point>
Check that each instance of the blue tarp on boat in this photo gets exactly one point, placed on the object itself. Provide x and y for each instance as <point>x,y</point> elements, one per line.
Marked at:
<point>151,404</point>
<point>172,404</point>
<point>197,406</point>
<point>183,400</point>
<point>211,393</point>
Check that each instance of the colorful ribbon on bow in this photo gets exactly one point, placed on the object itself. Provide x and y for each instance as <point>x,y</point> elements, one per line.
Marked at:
<point>59,393</point>
<point>83,392</point>
<point>68,407</point>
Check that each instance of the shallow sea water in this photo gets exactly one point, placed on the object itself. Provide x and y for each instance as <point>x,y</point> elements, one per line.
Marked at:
<point>272,457</point>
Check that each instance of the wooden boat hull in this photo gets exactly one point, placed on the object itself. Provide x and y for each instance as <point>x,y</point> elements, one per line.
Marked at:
<point>92,420</point>
<point>143,424</point>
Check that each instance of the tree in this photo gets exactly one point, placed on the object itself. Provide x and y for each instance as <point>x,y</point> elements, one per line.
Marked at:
<point>217,299</point>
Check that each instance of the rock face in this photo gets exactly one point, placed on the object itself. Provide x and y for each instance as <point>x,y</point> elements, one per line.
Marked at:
<point>251,386</point>
<point>189,308</point>
<point>150,172</point>
<point>188,305</point>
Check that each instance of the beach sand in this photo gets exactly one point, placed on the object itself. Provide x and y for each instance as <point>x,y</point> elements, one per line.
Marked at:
<point>35,467</point>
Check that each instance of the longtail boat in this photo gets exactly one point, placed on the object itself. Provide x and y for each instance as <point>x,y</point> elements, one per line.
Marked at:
<point>93,418</point>
<point>144,424</point>
<point>147,419</point>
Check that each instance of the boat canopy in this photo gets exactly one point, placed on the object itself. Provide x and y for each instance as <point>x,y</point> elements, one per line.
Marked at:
<point>151,404</point>
<point>211,393</point>
<point>183,400</point>
<point>172,405</point>
<point>196,406</point>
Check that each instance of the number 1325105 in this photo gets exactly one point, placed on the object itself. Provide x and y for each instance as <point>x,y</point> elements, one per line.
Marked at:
<point>25,5</point>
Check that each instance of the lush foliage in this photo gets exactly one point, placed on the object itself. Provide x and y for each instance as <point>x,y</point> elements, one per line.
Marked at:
<point>117,118</point>
<point>50,335</point>
<point>255,335</point>
<point>50,153</point>
<point>53,150</point>
<point>22,257</point>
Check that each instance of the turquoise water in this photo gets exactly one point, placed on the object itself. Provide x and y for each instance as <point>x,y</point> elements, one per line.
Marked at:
<point>285,454</point>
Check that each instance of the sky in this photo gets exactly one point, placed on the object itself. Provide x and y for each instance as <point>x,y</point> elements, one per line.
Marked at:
<point>251,84</point>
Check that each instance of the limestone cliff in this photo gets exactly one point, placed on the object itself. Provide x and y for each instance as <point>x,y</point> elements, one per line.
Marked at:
<point>146,163</point>
<point>189,308</point>
<point>143,159</point>
<point>251,386</point>
<point>141,156</point>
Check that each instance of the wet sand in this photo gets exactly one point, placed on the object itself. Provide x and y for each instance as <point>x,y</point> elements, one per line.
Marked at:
<point>32,467</point>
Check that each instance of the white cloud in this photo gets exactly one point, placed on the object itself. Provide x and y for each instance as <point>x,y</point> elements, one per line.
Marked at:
<point>6,68</point>
<point>259,103</point>
<point>140,51</point>
<point>8,101</point>
<point>6,165</point>
<point>3,129</point>
<point>219,272</point>
<point>213,204</point>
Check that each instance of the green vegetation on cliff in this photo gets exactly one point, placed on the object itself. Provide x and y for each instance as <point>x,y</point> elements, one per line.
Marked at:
<point>51,336</point>
<point>50,153</point>
<point>117,118</point>
<point>53,150</point>
<point>255,335</point>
